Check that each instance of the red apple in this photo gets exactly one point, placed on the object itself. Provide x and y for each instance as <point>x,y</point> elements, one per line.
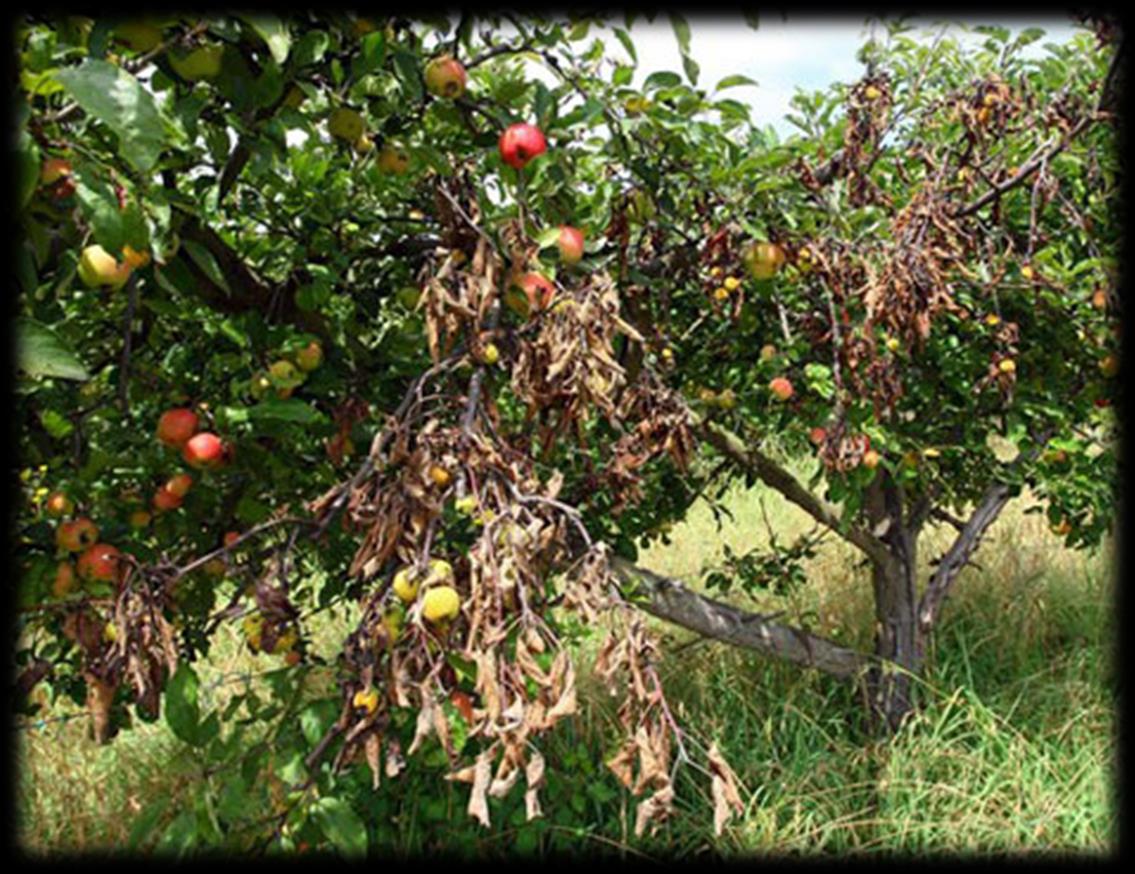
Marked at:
<point>76,535</point>
<point>231,537</point>
<point>179,485</point>
<point>139,519</point>
<point>176,426</point>
<point>817,435</point>
<point>204,450</point>
<point>870,459</point>
<point>571,244</point>
<point>781,387</point>
<point>58,504</point>
<point>445,77</point>
<point>101,563</point>
<point>537,294</point>
<point>165,500</point>
<point>520,143</point>
<point>54,169</point>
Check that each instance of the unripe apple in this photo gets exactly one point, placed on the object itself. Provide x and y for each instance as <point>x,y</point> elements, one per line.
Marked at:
<point>76,535</point>
<point>445,77</point>
<point>282,372</point>
<point>58,504</point>
<point>441,604</point>
<point>346,124</point>
<point>1109,366</point>
<point>405,585</point>
<point>490,354</point>
<point>101,563</point>
<point>139,519</point>
<point>294,97</point>
<point>439,476</point>
<point>64,582</point>
<point>176,426</point>
<point>364,145</point>
<point>204,450</point>
<point>260,385</point>
<point>872,93</point>
<point>1099,299</point>
<point>310,356</point>
<point>764,259</point>
<point>1007,365</point>
<point>726,399</point>
<point>53,170</point>
<point>520,143</point>
<point>179,485</point>
<point>781,388</point>
<point>142,36</point>
<point>393,159</point>
<point>408,296</point>
<point>768,352</point>
<point>870,459</point>
<point>98,267</point>
<point>570,243</point>
<point>201,63</point>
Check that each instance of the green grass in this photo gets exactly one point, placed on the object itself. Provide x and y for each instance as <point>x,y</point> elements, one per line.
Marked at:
<point>1013,750</point>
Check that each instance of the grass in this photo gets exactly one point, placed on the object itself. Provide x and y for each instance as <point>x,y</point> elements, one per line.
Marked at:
<point>1013,751</point>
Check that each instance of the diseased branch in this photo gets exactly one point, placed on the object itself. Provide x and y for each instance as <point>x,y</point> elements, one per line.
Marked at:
<point>670,600</point>
<point>779,479</point>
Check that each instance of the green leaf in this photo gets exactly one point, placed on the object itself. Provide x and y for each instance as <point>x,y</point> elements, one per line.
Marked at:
<point>27,169</point>
<point>373,52</point>
<point>208,264</point>
<point>117,99</point>
<point>99,204</point>
<point>692,69</point>
<point>733,82</point>
<point>661,79</point>
<point>274,32</point>
<point>625,39</point>
<point>341,825</point>
<point>285,410</point>
<point>182,712</point>
<point>406,69</point>
<point>681,31</point>
<point>40,352</point>
<point>311,48</point>
<point>548,237</point>
<point>56,424</point>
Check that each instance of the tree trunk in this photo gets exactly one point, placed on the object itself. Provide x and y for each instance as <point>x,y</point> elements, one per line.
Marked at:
<point>890,683</point>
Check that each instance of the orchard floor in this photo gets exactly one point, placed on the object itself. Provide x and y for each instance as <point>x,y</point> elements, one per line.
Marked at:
<point>1013,751</point>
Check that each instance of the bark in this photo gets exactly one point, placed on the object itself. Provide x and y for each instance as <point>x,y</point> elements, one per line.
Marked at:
<point>898,649</point>
<point>670,600</point>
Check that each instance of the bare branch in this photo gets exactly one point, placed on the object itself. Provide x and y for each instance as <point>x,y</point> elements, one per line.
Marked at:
<point>669,599</point>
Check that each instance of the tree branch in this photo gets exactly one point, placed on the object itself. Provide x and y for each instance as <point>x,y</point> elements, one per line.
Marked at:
<point>958,555</point>
<point>670,600</point>
<point>779,479</point>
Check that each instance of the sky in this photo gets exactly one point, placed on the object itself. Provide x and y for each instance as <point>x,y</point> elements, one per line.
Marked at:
<point>783,54</point>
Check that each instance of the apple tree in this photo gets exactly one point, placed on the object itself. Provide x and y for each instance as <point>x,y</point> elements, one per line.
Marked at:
<point>329,310</point>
